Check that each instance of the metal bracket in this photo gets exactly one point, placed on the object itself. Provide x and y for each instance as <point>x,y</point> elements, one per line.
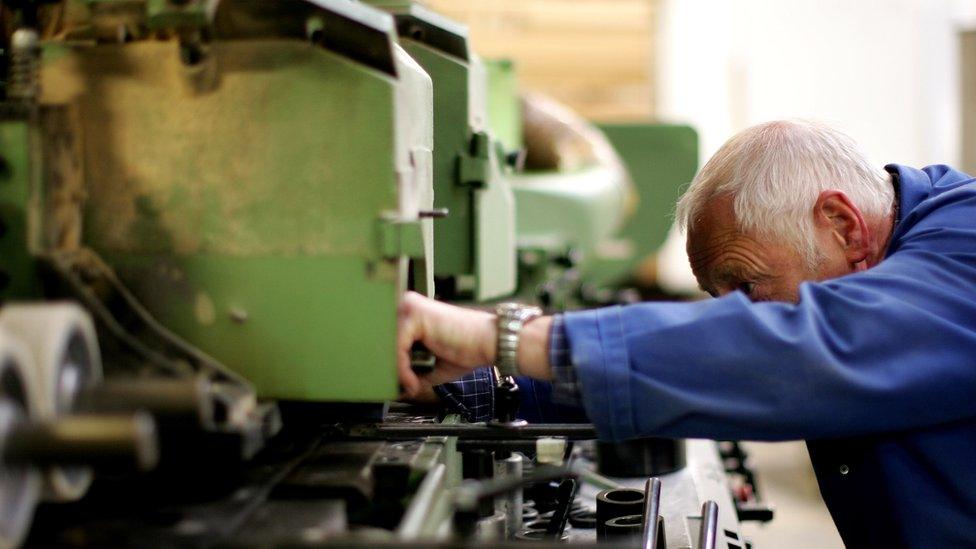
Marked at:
<point>474,168</point>
<point>401,239</point>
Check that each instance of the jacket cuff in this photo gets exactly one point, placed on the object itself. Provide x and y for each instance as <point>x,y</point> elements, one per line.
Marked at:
<point>599,353</point>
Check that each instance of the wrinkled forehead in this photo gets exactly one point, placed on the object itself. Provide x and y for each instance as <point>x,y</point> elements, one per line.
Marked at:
<point>715,220</point>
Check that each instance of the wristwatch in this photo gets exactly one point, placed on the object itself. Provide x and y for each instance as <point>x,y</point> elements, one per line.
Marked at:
<point>511,318</point>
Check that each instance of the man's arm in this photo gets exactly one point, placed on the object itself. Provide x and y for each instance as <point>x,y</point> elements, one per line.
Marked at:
<point>462,340</point>
<point>884,350</point>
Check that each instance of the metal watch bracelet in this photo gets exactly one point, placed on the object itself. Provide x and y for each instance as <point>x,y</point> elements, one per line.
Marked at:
<point>511,317</point>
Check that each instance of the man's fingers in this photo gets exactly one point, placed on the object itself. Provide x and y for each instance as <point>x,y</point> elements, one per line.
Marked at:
<point>409,382</point>
<point>408,331</point>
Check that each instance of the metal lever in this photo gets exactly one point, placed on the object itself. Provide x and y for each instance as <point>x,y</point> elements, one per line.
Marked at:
<point>708,535</point>
<point>652,510</point>
<point>560,515</point>
<point>436,213</point>
<point>98,440</point>
<point>507,402</point>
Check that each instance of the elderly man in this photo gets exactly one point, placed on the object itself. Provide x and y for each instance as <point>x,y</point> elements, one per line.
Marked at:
<point>846,316</point>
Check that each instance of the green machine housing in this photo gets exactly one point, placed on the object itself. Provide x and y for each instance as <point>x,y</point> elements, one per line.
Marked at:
<point>262,191</point>
<point>475,244</point>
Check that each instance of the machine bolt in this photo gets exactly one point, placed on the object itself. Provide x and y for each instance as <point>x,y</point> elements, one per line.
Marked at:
<point>238,315</point>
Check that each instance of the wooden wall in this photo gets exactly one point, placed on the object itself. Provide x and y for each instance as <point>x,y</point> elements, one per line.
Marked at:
<point>595,55</point>
<point>967,43</point>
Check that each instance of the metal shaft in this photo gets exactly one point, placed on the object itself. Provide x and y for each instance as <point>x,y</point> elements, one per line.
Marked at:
<point>165,398</point>
<point>479,431</point>
<point>513,501</point>
<point>708,535</point>
<point>652,508</point>
<point>421,508</point>
<point>124,441</point>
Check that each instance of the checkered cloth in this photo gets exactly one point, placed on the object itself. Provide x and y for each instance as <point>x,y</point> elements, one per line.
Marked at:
<point>473,396</point>
<point>565,386</point>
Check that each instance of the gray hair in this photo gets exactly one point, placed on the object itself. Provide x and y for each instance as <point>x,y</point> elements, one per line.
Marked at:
<point>774,173</point>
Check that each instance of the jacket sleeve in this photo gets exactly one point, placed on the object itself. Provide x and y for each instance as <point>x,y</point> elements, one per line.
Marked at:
<point>888,349</point>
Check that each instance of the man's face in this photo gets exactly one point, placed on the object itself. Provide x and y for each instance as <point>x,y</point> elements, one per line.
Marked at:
<point>725,260</point>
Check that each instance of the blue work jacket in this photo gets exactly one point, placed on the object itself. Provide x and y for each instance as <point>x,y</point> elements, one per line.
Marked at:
<point>875,370</point>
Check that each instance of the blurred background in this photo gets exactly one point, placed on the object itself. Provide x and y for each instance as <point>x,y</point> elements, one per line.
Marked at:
<point>899,76</point>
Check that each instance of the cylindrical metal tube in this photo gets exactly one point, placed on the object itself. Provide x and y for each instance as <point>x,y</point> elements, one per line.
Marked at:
<point>708,535</point>
<point>652,508</point>
<point>411,526</point>
<point>99,440</point>
<point>611,504</point>
<point>164,398</point>
<point>513,500</point>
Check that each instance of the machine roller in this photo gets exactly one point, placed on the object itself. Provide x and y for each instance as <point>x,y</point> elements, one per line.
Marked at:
<point>19,483</point>
<point>62,342</point>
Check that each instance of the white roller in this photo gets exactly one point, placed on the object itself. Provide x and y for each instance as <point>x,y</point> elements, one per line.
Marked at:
<point>19,486</point>
<point>61,339</point>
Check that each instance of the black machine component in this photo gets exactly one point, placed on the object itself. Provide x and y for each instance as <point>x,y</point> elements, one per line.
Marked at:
<point>613,504</point>
<point>644,457</point>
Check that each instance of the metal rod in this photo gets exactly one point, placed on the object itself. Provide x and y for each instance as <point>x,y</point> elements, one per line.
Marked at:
<point>98,440</point>
<point>166,398</point>
<point>411,527</point>
<point>469,493</point>
<point>708,535</point>
<point>593,478</point>
<point>513,502</point>
<point>652,508</point>
<point>393,431</point>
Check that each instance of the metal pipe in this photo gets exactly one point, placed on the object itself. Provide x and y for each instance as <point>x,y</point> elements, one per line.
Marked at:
<point>107,440</point>
<point>593,478</point>
<point>513,501</point>
<point>395,431</point>
<point>708,535</point>
<point>411,527</point>
<point>652,508</point>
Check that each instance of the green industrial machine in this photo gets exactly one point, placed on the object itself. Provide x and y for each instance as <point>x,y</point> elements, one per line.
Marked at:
<point>261,186</point>
<point>209,213</point>
<point>474,242</point>
<point>592,201</point>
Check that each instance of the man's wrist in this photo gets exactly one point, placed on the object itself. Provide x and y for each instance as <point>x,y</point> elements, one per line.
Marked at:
<point>489,339</point>
<point>533,355</point>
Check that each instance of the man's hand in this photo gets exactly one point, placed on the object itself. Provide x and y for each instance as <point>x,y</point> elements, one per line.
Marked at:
<point>461,339</point>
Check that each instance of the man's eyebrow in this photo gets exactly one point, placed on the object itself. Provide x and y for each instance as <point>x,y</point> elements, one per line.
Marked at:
<point>728,271</point>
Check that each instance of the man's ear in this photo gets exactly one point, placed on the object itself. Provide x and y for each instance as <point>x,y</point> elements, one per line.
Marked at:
<point>835,212</point>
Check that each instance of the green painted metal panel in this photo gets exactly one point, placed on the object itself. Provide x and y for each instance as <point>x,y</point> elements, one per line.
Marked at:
<point>453,235</point>
<point>247,215</point>
<point>662,159</point>
<point>18,277</point>
<point>305,328</point>
<point>504,106</point>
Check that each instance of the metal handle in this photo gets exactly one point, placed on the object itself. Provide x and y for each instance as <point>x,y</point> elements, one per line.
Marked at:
<point>708,535</point>
<point>652,508</point>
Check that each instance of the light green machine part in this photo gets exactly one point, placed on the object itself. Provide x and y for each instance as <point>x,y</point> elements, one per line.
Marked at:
<point>585,209</point>
<point>261,194</point>
<point>475,244</point>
